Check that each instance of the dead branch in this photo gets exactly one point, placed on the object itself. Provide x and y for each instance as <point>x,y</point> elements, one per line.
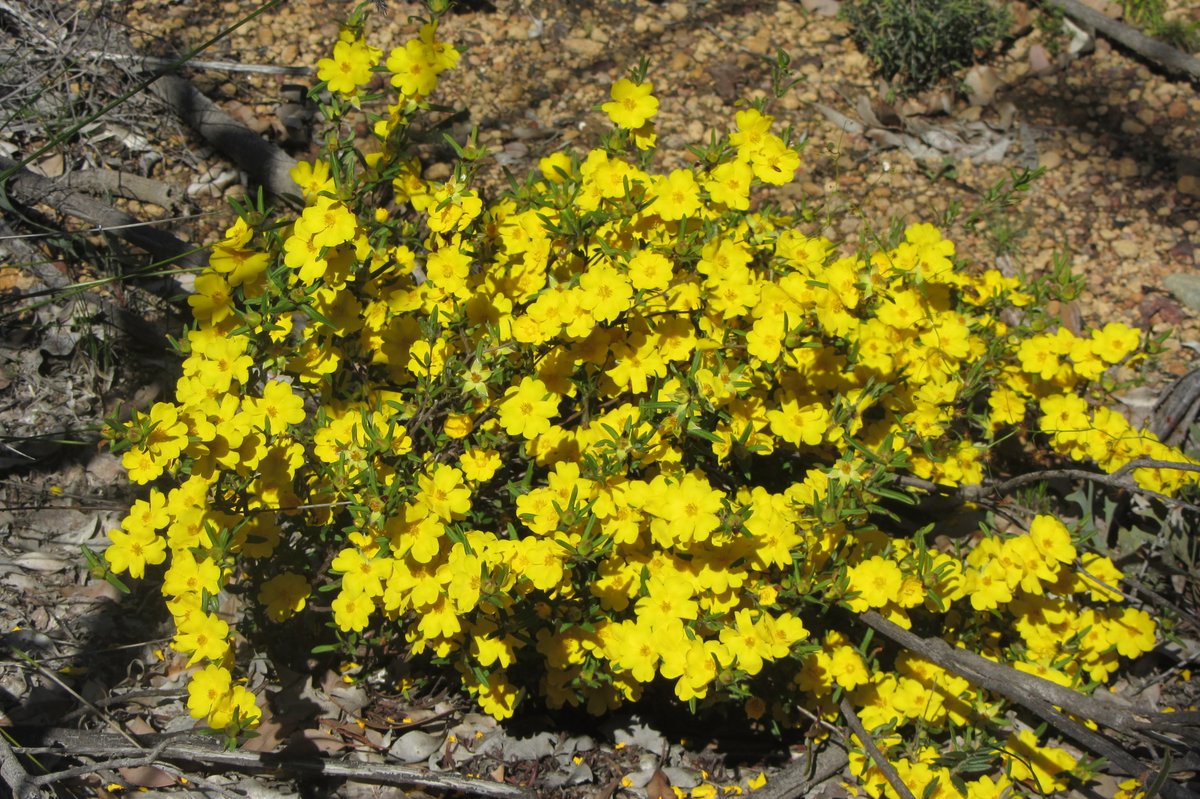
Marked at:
<point>1152,50</point>
<point>150,63</point>
<point>23,255</point>
<point>13,775</point>
<point>868,742</point>
<point>126,184</point>
<point>28,188</point>
<point>1120,479</point>
<point>146,759</point>
<point>1043,698</point>
<point>207,753</point>
<point>266,164</point>
<point>804,774</point>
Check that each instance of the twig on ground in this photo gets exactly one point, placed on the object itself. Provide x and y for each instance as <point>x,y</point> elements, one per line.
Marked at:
<point>28,188</point>
<point>151,63</point>
<point>804,774</point>
<point>1042,697</point>
<point>147,759</point>
<point>868,742</point>
<point>126,184</point>
<point>207,752</point>
<point>265,163</point>
<point>13,775</point>
<point>24,256</point>
<point>1152,50</point>
<point>31,663</point>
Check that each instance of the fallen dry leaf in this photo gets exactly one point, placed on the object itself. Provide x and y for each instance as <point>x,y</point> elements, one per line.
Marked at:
<point>659,786</point>
<point>146,777</point>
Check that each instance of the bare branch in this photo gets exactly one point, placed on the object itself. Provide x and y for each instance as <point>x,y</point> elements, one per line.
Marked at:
<point>802,775</point>
<point>1120,479</point>
<point>207,752</point>
<point>29,188</point>
<point>13,775</point>
<point>126,184</point>
<point>265,163</point>
<point>152,63</point>
<point>1043,698</point>
<point>868,742</point>
<point>1152,50</point>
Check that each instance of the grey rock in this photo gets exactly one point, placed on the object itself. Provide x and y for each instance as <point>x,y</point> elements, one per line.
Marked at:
<point>1185,287</point>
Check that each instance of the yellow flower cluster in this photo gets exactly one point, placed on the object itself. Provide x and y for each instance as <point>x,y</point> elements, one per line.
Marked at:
<point>614,429</point>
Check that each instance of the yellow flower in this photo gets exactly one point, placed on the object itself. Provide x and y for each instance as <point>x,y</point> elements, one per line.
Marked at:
<point>877,582</point>
<point>729,184</point>
<point>188,575</point>
<point>478,465</point>
<point>606,292</point>
<point>212,299</point>
<point>203,635</point>
<point>349,68</point>
<point>1114,341</point>
<point>752,131</point>
<point>133,551</point>
<point>497,697</point>
<point>448,268</point>
<point>1045,766</point>
<point>555,167</point>
<point>361,574</point>
<point>284,595</point>
<point>800,424</point>
<point>1052,539</point>
<point>352,611</point>
<point>774,162</point>
<point>312,177</point>
<point>676,195</point>
<point>414,69</point>
<point>632,104</point>
<point>649,271</point>
<point>329,222</point>
<point>208,688</point>
<point>443,494</point>
<point>238,708</point>
<point>527,408</point>
<point>1133,632</point>
<point>749,643</point>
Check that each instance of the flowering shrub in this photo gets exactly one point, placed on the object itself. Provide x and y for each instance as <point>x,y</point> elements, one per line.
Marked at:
<point>616,428</point>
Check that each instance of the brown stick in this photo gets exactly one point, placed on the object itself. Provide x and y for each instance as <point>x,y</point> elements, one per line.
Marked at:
<point>193,749</point>
<point>28,188</point>
<point>1152,50</point>
<point>266,164</point>
<point>1042,696</point>
<point>803,775</point>
<point>868,742</point>
<point>151,62</point>
<point>125,184</point>
<point>13,775</point>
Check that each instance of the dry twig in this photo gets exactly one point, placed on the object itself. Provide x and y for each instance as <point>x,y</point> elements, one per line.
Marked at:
<point>868,742</point>
<point>207,753</point>
<point>803,775</point>
<point>1043,698</point>
<point>126,184</point>
<point>1152,50</point>
<point>13,775</point>
<point>266,164</point>
<point>31,189</point>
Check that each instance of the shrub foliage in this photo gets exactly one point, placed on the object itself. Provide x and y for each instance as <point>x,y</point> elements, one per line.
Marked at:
<point>917,43</point>
<point>617,428</point>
